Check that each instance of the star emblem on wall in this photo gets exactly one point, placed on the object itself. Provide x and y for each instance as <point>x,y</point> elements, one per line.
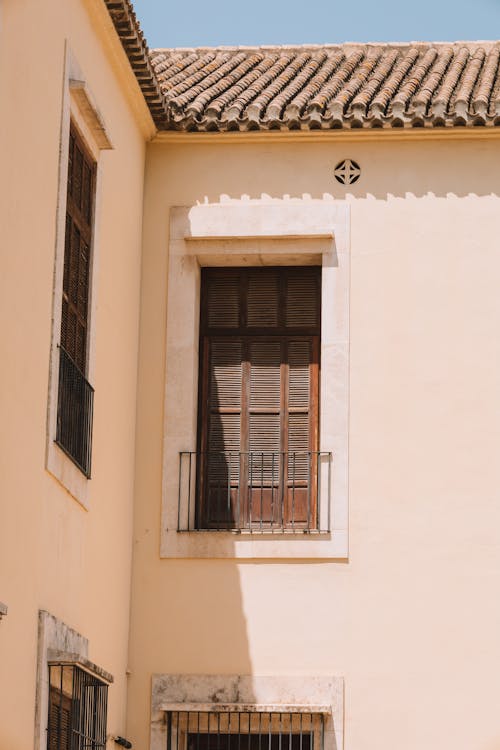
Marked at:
<point>347,172</point>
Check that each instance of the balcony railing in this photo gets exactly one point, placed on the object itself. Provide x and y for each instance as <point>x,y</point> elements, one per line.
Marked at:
<point>74,413</point>
<point>255,492</point>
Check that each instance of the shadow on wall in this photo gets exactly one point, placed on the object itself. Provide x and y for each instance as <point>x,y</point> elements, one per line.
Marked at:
<point>388,170</point>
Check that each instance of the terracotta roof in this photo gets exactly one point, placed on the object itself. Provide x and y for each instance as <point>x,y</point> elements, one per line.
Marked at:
<point>134,43</point>
<point>335,86</point>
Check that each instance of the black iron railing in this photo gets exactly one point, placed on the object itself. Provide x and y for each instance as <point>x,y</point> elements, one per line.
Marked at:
<point>74,413</point>
<point>257,492</point>
<point>77,709</point>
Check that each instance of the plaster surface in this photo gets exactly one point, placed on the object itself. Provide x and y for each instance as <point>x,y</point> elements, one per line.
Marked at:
<point>411,619</point>
<point>55,554</point>
<point>252,693</point>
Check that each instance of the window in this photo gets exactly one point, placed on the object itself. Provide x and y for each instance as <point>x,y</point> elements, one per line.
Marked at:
<point>257,460</point>
<point>255,234</point>
<point>235,729</point>
<point>75,394</point>
<point>77,709</point>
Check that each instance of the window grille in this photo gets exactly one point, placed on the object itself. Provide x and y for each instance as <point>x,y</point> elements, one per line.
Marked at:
<point>75,405</point>
<point>77,709</point>
<point>259,492</point>
<point>255,729</point>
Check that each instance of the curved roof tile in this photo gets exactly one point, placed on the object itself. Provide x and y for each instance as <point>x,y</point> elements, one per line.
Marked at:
<point>332,86</point>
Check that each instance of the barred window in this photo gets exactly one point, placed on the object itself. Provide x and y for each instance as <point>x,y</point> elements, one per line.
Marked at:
<point>75,399</point>
<point>230,728</point>
<point>77,709</point>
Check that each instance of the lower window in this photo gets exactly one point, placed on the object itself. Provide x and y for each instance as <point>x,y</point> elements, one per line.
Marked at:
<point>258,465</point>
<point>244,730</point>
<point>77,709</point>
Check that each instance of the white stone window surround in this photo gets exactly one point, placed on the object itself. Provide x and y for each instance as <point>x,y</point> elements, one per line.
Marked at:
<point>239,233</point>
<point>57,643</point>
<point>79,108</point>
<point>249,693</point>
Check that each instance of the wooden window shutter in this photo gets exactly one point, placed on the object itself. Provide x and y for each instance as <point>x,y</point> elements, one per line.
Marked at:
<point>59,727</point>
<point>259,375</point>
<point>77,251</point>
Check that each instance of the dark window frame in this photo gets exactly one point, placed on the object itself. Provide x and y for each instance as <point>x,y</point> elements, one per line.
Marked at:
<point>82,698</point>
<point>248,334</point>
<point>75,394</point>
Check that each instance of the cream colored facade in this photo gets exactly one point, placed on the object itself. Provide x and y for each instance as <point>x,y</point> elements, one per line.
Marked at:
<point>69,558</point>
<point>394,621</point>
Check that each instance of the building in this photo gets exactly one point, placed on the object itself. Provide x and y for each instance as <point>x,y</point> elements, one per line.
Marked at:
<point>249,391</point>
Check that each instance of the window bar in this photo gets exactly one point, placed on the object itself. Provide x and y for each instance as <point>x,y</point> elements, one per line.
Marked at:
<point>249,732</point>
<point>180,491</point>
<point>250,500</point>
<point>329,489</point>
<point>272,496</point>
<point>239,485</point>
<point>218,731</point>
<point>239,730</point>
<point>218,505</point>
<point>169,730</point>
<point>189,490</point>
<point>59,717</point>
<point>318,491</point>
<point>281,732</point>
<point>260,731</point>
<point>74,724</point>
<point>300,737</point>
<point>309,456</point>
<point>283,488</point>
<point>261,486</point>
<point>293,494</point>
<point>230,473</point>
<point>310,731</point>
<point>269,728</point>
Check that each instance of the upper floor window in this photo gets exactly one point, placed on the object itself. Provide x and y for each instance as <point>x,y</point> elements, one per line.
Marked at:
<point>75,395</point>
<point>257,459</point>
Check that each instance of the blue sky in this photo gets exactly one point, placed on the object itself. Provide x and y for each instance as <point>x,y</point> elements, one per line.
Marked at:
<point>188,23</point>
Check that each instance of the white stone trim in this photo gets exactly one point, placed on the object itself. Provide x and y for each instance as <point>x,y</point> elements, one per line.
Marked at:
<point>57,644</point>
<point>53,635</point>
<point>77,107</point>
<point>291,232</point>
<point>257,708</point>
<point>252,693</point>
<point>89,112</point>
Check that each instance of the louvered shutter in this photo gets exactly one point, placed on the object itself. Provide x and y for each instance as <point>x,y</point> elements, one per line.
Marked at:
<point>259,393</point>
<point>76,279</point>
<point>59,727</point>
<point>225,367</point>
<point>264,415</point>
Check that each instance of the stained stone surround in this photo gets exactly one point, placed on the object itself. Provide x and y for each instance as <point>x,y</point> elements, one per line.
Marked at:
<point>57,642</point>
<point>323,694</point>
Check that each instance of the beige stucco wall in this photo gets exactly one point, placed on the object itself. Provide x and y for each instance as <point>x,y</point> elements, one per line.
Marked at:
<point>411,618</point>
<point>54,554</point>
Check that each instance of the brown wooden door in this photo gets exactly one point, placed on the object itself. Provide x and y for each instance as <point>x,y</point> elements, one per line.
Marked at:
<point>259,398</point>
